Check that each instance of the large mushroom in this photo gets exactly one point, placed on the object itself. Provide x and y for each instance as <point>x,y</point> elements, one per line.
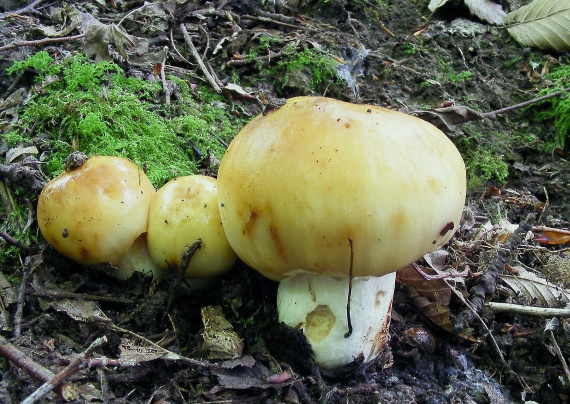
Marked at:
<point>182,212</point>
<point>96,212</point>
<point>331,198</point>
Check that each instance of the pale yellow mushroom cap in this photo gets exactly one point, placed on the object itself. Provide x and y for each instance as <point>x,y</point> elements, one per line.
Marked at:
<point>183,211</point>
<point>92,214</point>
<point>298,182</point>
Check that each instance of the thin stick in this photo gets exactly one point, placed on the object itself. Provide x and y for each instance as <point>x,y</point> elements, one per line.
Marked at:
<point>198,59</point>
<point>44,41</point>
<point>528,310</point>
<point>69,370</point>
<point>349,333</point>
<point>22,10</point>
<point>14,241</point>
<point>32,263</point>
<point>493,114</point>
<point>552,229</point>
<point>80,296</point>
<point>35,370</point>
<point>559,354</point>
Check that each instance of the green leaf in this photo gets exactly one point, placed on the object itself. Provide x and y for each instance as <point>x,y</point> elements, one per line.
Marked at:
<point>543,24</point>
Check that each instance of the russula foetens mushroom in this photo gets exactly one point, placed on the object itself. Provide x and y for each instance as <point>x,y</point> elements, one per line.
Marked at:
<point>183,211</point>
<point>97,212</point>
<point>321,192</point>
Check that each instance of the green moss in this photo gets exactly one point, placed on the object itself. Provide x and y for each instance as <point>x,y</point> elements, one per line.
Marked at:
<point>486,155</point>
<point>322,66</point>
<point>95,108</point>
<point>556,109</point>
<point>484,165</point>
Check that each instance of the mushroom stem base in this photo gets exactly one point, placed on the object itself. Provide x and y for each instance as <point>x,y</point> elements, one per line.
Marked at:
<point>317,305</point>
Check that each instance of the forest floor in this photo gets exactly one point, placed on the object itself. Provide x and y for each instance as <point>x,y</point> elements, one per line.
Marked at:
<point>393,54</point>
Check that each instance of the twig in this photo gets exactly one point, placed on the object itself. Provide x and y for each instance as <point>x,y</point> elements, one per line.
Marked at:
<point>165,86</point>
<point>494,343</point>
<point>493,114</point>
<point>80,296</point>
<point>44,41</point>
<point>132,12</point>
<point>273,21</point>
<point>63,375</point>
<point>22,10</point>
<point>551,326</point>
<point>15,242</point>
<point>176,51</point>
<point>35,370</point>
<point>552,229</point>
<point>198,59</point>
<point>528,310</point>
<point>487,282</point>
<point>32,263</point>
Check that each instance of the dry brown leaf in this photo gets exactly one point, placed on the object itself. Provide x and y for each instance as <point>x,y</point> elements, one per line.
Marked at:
<point>431,298</point>
<point>538,289</point>
<point>553,237</point>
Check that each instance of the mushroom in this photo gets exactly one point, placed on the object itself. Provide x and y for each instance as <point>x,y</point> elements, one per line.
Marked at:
<point>331,198</point>
<point>183,211</point>
<point>96,211</point>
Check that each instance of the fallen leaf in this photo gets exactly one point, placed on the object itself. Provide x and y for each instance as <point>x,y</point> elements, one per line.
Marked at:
<point>543,24</point>
<point>446,119</point>
<point>487,10</point>
<point>538,289</point>
<point>553,237</point>
<point>431,298</point>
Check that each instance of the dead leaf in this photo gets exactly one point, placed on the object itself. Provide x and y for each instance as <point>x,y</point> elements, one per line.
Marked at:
<point>16,152</point>
<point>538,289</point>
<point>70,17</point>
<point>220,339</point>
<point>543,24</point>
<point>487,11</point>
<point>132,354</point>
<point>553,237</point>
<point>431,298</point>
<point>111,42</point>
<point>446,119</point>
<point>80,310</point>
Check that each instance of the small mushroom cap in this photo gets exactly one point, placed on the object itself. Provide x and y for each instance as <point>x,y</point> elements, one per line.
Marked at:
<point>183,211</point>
<point>93,213</point>
<point>297,183</point>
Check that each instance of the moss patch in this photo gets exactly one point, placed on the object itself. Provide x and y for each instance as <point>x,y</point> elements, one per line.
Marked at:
<point>97,109</point>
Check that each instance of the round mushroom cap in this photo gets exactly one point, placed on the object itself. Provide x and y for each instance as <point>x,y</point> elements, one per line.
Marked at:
<point>93,213</point>
<point>181,212</point>
<point>298,182</point>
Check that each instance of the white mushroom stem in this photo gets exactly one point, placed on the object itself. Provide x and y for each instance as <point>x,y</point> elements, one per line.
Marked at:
<point>317,305</point>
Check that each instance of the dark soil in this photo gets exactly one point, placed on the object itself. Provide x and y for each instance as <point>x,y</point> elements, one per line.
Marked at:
<point>395,55</point>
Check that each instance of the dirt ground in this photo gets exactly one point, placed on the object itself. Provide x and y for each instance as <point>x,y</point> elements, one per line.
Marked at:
<point>394,54</point>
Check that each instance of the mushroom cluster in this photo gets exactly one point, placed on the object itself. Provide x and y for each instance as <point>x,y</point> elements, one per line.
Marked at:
<point>105,210</point>
<point>331,198</point>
